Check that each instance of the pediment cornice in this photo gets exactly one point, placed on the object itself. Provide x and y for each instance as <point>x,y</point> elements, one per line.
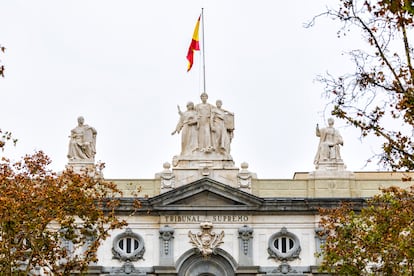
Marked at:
<point>205,194</point>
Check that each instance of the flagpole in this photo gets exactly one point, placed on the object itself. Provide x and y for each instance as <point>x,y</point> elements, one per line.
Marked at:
<point>204,58</point>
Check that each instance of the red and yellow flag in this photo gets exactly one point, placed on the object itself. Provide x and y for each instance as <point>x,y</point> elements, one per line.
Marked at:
<point>194,46</point>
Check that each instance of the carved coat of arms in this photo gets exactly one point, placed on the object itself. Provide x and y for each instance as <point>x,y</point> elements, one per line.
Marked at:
<point>206,241</point>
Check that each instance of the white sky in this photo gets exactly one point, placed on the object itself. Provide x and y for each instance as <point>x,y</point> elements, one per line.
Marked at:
<point>121,65</point>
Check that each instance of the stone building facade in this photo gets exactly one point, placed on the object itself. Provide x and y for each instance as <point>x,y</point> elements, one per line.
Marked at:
<point>207,227</point>
<point>204,216</point>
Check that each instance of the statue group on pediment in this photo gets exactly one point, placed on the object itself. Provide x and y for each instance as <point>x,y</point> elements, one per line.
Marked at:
<point>205,128</point>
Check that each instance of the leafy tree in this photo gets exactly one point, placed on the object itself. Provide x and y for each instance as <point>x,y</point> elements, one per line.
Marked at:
<point>378,97</point>
<point>377,240</point>
<point>53,222</point>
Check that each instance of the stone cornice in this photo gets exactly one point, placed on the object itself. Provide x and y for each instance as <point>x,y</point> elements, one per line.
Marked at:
<point>269,206</point>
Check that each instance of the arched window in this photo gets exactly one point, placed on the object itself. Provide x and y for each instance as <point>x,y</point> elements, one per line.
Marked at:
<point>284,246</point>
<point>128,246</point>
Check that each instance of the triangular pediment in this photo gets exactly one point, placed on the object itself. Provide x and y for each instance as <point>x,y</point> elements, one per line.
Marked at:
<point>205,194</point>
<point>207,198</point>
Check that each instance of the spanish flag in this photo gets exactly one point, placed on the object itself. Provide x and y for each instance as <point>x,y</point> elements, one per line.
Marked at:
<point>194,46</point>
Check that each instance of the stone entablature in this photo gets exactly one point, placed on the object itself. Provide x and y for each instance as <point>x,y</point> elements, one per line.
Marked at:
<point>362,184</point>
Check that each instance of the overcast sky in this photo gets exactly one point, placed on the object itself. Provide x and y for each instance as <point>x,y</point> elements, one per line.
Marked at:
<point>121,65</point>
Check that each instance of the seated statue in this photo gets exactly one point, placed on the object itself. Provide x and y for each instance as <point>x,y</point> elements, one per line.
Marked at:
<point>82,144</point>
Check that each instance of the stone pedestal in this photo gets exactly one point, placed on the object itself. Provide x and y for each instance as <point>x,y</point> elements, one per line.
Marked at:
<point>84,167</point>
<point>187,170</point>
<point>331,165</point>
<point>331,169</point>
<point>330,179</point>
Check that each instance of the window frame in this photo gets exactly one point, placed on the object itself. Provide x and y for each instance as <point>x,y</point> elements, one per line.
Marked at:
<point>135,253</point>
<point>276,247</point>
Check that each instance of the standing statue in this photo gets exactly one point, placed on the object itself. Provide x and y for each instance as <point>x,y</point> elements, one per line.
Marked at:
<point>188,127</point>
<point>82,144</point>
<point>206,131</point>
<point>329,144</point>
<point>203,110</point>
<point>220,134</point>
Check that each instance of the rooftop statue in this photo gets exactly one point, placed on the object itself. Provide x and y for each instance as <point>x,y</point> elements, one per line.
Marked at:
<point>204,124</point>
<point>82,144</point>
<point>329,144</point>
<point>205,129</point>
<point>221,134</point>
<point>188,127</point>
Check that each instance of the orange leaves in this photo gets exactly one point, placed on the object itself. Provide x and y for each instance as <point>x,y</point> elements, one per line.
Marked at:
<point>43,211</point>
<point>6,136</point>
<point>379,237</point>
<point>383,78</point>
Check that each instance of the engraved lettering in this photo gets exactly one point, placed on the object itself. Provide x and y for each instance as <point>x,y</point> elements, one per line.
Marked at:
<point>215,218</point>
